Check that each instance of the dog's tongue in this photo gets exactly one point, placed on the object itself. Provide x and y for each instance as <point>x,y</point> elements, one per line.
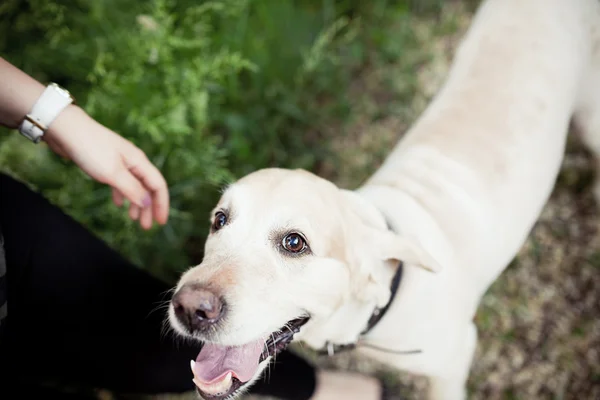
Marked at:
<point>215,361</point>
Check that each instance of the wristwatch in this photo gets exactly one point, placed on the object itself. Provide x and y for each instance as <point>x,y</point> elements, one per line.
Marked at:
<point>50,104</point>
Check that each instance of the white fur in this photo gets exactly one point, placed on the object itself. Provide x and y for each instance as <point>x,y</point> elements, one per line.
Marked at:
<point>463,189</point>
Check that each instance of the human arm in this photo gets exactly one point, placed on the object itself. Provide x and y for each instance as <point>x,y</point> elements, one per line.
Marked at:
<point>98,151</point>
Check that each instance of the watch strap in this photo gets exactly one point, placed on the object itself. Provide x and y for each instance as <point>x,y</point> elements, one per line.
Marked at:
<point>49,105</point>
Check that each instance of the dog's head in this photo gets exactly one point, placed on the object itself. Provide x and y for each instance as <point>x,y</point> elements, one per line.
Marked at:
<point>285,247</point>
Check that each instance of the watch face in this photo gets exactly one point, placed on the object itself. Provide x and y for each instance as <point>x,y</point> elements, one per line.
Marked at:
<point>61,90</point>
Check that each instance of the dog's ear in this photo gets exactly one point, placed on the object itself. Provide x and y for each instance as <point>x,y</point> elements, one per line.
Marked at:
<point>391,247</point>
<point>387,245</point>
<point>370,242</point>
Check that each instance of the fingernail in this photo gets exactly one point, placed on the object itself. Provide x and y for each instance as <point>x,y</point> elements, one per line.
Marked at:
<point>147,200</point>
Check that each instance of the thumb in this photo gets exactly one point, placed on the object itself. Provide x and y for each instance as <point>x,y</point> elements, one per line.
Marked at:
<point>131,188</point>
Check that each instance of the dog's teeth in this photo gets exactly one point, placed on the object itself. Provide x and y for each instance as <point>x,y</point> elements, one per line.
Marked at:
<point>192,363</point>
<point>217,387</point>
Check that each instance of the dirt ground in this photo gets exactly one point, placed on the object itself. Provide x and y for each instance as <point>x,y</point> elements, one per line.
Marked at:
<point>539,331</point>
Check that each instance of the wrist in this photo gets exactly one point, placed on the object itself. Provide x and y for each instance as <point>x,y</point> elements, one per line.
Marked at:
<point>68,122</point>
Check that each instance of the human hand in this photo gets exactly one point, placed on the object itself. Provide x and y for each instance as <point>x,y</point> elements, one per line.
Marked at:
<point>111,159</point>
<point>97,150</point>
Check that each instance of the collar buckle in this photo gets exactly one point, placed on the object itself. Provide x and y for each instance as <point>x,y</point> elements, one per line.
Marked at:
<point>330,349</point>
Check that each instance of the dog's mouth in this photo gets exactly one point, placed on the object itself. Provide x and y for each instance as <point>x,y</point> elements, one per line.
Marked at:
<point>221,371</point>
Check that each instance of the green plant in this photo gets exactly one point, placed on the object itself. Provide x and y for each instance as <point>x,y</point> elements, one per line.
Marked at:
<point>209,90</point>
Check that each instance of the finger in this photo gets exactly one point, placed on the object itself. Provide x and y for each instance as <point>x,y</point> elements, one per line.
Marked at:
<point>146,218</point>
<point>134,212</point>
<point>117,197</point>
<point>153,180</point>
<point>129,186</point>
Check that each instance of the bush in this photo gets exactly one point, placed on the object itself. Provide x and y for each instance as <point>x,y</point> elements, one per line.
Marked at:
<point>209,90</point>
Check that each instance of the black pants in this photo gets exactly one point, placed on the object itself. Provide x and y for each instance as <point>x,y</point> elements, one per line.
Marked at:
<point>81,315</point>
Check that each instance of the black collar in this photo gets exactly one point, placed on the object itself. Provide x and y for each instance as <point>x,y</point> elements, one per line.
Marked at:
<point>378,314</point>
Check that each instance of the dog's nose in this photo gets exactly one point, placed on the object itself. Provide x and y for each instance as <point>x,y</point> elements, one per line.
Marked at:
<point>196,307</point>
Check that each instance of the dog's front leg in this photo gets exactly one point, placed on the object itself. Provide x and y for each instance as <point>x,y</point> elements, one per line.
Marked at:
<point>452,383</point>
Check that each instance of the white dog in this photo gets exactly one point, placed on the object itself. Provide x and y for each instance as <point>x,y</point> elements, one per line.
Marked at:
<point>451,206</point>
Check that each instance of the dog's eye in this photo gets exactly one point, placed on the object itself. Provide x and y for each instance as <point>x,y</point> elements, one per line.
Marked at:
<point>220,220</point>
<point>294,243</point>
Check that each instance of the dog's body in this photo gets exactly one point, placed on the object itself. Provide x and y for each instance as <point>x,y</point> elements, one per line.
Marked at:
<point>471,177</point>
<point>462,191</point>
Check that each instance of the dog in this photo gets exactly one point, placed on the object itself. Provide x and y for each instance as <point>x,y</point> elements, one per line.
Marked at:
<point>396,268</point>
